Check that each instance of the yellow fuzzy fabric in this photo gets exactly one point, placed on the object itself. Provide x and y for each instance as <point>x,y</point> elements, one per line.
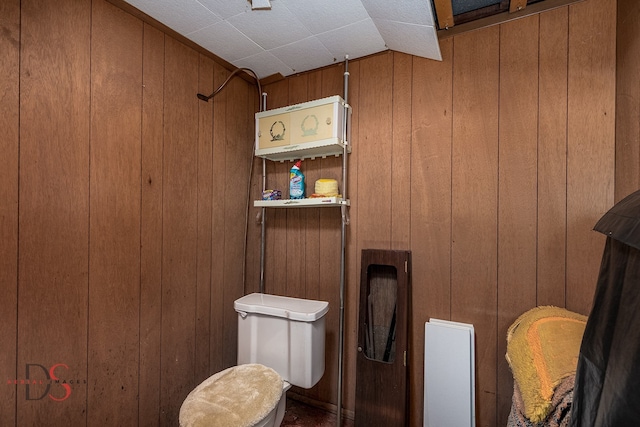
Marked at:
<point>239,396</point>
<point>542,349</point>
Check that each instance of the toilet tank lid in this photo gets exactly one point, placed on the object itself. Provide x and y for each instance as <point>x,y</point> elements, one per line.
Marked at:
<point>303,310</point>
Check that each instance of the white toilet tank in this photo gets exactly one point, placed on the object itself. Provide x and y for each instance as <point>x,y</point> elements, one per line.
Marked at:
<point>286,334</point>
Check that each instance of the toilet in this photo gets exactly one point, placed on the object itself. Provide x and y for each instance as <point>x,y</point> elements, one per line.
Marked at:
<point>281,343</point>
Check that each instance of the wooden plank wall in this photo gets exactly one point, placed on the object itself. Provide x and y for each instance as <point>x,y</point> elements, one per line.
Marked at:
<point>123,206</point>
<point>628,99</point>
<point>123,199</point>
<point>491,166</point>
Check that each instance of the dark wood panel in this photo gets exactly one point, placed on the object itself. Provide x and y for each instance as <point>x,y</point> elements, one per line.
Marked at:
<point>431,122</point>
<point>517,172</point>
<point>151,226</point>
<point>383,338</point>
<point>627,99</point>
<point>374,152</point>
<point>179,247</point>
<point>54,208</point>
<point>475,203</point>
<point>114,223</point>
<point>591,143</point>
<point>222,356</point>
<point>205,218</point>
<point>552,158</point>
<point>401,152</point>
<point>9,145</point>
<point>238,154</point>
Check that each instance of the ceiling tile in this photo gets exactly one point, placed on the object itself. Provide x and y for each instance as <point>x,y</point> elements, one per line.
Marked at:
<point>409,11</point>
<point>270,28</point>
<point>299,35</point>
<point>182,16</point>
<point>227,8</point>
<point>304,55</point>
<point>356,40</point>
<point>226,41</point>
<point>419,40</point>
<point>326,15</point>
<point>264,65</point>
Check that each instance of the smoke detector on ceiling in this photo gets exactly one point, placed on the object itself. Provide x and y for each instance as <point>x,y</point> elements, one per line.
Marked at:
<point>260,4</point>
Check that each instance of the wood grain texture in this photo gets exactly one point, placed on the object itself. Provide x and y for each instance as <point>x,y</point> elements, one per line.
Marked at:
<point>221,356</point>
<point>627,99</point>
<point>591,143</point>
<point>401,151</point>
<point>461,116</point>
<point>53,253</point>
<point>151,226</point>
<point>475,203</point>
<point>179,249</point>
<point>374,152</point>
<point>238,153</point>
<point>517,182</point>
<point>430,207</point>
<point>552,158</point>
<point>114,221</point>
<point>205,218</point>
<point>9,146</point>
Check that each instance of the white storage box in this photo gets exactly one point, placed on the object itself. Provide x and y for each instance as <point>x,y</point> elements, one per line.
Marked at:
<point>308,130</point>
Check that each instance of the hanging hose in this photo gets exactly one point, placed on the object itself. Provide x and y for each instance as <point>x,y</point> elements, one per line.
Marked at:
<point>206,98</point>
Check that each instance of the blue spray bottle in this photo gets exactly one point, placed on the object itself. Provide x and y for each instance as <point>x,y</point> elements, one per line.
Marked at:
<point>296,182</point>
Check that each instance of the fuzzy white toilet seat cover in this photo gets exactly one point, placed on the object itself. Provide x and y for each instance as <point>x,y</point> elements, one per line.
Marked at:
<point>239,396</point>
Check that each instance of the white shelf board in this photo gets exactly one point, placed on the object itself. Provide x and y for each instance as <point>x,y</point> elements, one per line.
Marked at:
<point>301,203</point>
<point>318,149</point>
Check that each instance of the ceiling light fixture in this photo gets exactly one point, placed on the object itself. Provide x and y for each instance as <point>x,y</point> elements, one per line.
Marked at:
<point>260,4</point>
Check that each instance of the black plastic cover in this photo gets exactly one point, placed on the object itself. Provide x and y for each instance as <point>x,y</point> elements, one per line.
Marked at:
<point>607,385</point>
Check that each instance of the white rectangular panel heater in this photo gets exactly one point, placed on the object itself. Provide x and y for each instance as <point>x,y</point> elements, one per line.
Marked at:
<point>449,374</point>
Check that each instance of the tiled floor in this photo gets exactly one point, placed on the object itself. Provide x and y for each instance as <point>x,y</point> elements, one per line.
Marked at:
<point>302,415</point>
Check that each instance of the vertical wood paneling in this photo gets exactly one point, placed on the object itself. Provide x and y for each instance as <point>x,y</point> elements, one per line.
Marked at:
<point>114,234</point>
<point>237,147</point>
<point>205,218</point>
<point>552,158</point>
<point>222,356</point>
<point>179,228</point>
<point>517,176</point>
<point>54,205</point>
<point>374,152</point>
<point>186,185</point>
<point>401,152</point>
<point>9,146</point>
<point>627,99</point>
<point>474,203</point>
<point>151,226</point>
<point>591,142</point>
<point>430,207</point>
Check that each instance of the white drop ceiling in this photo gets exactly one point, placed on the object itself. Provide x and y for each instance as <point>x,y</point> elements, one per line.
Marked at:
<point>299,35</point>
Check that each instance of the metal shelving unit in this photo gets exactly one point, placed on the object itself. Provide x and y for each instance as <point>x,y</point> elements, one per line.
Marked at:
<point>281,147</point>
